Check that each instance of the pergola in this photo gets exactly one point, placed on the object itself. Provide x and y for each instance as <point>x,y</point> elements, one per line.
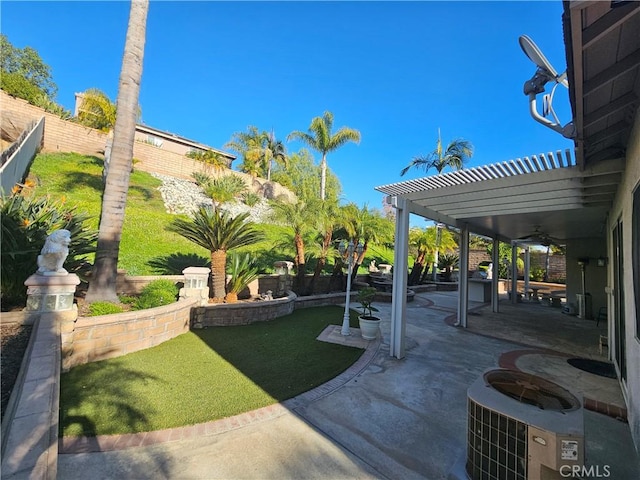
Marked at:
<point>505,201</point>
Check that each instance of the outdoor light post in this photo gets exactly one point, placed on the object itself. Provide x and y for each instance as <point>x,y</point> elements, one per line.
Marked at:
<point>342,248</point>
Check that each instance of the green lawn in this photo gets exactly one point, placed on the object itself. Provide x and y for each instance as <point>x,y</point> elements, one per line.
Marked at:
<point>204,375</point>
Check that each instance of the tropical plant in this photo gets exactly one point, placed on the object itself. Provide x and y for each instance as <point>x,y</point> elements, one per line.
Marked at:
<point>218,232</point>
<point>274,151</point>
<point>249,145</point>
<point>367,226</point>
<point>226,188</point>
<point>250,199</point>
<point>454,156</point>
<point>319,138</point>
<point>326,220</point>
<point>299,217</point>
<point>422,244</point>
<point>96,110</point>
<point>365,298</point>
<point>211,159</point>
<point>26,222</point>
<point>301,177</point>
<point>114,198</point>
<point>243,271</point>
<point>202,179</point>
<point>448,262</point>
<point>23,73</point>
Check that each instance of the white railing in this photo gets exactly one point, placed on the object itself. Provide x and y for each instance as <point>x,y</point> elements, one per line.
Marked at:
<point>18,156</point>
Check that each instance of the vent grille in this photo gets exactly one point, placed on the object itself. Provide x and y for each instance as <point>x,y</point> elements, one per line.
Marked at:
<point>532,390</point>
<point>497,445</point>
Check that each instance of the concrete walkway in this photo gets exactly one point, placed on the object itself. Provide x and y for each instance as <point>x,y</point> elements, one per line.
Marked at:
<point>394,419</point>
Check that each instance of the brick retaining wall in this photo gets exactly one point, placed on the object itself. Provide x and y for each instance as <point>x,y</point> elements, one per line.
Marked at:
<point>91,339</point>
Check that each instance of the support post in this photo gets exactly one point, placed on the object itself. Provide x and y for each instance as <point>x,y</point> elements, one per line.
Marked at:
<point>495,276</point>
<point>463,277</point>
<point>399,295</point>
<point>514,273</point>
<point>527,266</point>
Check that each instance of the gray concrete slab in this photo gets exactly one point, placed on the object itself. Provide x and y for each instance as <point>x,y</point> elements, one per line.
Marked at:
<point>397,419</point>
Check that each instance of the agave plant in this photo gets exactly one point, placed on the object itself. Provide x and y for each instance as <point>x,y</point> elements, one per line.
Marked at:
<point>243,271</point>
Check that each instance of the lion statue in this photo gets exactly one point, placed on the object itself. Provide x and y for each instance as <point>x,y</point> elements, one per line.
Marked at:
<point>54,253</point>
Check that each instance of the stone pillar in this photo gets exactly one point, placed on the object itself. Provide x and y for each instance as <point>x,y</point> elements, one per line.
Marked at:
<point>52,296</point>
<point>51,293</point>
<point>285,281</point>
<point>196,284</point>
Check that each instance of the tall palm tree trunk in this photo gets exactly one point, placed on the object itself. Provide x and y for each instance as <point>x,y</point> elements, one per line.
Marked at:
<point>300,262</point>
<point>103,281</point>
<point>218,275</point>
<point>323,177</point>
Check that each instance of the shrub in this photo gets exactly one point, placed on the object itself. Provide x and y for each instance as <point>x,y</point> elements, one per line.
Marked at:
<point>156,294</point>
<point>202,179</point>
<point>250,199</point>
<point>536,274</point>
<point>104,308</point>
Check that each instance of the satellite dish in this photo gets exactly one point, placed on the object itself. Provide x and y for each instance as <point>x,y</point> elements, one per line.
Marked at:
<point>532,51</point>
<point>545,73</point>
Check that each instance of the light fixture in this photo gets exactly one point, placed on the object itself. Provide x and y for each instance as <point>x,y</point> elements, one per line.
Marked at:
<point>349,248</point>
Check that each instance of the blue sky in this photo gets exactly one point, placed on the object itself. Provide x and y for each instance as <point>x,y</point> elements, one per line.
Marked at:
<point>396,71</point>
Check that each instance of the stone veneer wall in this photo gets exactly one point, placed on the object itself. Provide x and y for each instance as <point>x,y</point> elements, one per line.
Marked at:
<point>90,339</point>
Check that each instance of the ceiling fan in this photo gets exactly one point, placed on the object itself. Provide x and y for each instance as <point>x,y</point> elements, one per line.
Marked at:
<point>541,238</point>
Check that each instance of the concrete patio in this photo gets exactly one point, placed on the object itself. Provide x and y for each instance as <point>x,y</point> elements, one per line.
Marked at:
<point>396,419</point>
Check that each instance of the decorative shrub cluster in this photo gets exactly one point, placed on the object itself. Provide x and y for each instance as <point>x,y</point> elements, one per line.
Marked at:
<point>156,294</point>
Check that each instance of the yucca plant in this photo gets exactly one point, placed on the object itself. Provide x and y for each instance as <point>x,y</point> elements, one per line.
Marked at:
<point>243,271</point>
<point>202,179</point>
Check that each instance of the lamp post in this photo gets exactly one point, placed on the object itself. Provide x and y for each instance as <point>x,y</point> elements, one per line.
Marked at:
<point>348,249</point>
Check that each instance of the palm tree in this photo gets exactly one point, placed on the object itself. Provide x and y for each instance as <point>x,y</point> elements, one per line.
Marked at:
<point>96,110</point>
<point>250,145</point>
<point>274,151</point>
<point>319,138</point>
<point>365,225</point>
<point>326,220</point>
<point>211,159</point>
<point>454,156</point>
<point>218,232</point>
<point>114,199</point>
<point>422,244</point>
<point>298,216</point>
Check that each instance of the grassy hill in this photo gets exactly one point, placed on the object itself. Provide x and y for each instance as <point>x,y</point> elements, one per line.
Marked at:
<point>146,246</point>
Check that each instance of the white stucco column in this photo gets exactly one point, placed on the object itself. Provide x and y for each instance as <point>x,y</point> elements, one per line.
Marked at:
<point>463,277</point>
<point>495,276</point>
<point>514,273</point>
<point>399,296</point>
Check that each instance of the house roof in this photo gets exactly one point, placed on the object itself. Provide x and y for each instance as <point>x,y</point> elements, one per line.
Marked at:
<point>185,141</point>
<point>561,195</point>
<point>603,56</point>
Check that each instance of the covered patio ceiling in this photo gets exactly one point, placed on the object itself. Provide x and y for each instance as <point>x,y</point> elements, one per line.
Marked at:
<point>545,195</point>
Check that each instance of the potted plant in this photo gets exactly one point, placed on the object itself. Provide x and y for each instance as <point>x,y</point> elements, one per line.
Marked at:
<point>369,324</point>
